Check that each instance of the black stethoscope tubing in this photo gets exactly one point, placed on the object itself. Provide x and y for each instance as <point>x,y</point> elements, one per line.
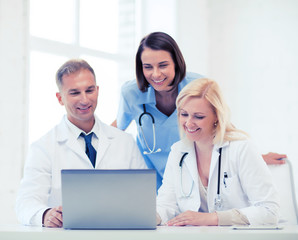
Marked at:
<point>218,173</point>
<point>144,113</point>
<point>153,150</point>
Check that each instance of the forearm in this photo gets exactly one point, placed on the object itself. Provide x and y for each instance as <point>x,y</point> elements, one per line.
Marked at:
<point>231,217</point>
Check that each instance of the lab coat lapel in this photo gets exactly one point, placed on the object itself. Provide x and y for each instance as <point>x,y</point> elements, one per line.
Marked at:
<point>63,135</point>
<point>74,145</point>
<point>213,172</point>
<point>103,144</point>
<point>214,164</point>
<point>191,163</point>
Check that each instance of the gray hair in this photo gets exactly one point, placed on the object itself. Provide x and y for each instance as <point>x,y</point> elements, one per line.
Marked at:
<point>72,66</point>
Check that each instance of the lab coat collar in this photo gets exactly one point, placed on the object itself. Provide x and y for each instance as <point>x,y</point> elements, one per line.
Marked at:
<point>186,145</point>
<point>65,128</point>
<point>77,131</point>
<point>104,139</point>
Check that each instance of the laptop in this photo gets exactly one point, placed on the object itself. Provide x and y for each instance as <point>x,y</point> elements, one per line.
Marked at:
<point>109,199</point>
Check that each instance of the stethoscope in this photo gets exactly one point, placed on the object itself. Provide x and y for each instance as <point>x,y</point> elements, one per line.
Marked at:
<point>150,151</point>
<point>218,200</point>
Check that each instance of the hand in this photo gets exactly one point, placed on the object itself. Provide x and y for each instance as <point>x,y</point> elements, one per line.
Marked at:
<point>158,219</point>
<point>194,218</point>
<point>114,124</point>
<point>274,158</point>
<point>53,217</point>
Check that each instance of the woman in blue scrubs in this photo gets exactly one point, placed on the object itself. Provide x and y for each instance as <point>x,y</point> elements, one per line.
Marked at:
<point>160,76</point>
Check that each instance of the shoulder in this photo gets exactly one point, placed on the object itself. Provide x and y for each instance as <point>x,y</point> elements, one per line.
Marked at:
<point>181,146</point>
<point>179,151</point>
<point>46,142</point>
<point>177,146</point>
<point>58,133</point>
<point>130,87</point>
<point>243,151</point>
<point>191,76</point>
<point>241,145</point>
<point>131,92</point>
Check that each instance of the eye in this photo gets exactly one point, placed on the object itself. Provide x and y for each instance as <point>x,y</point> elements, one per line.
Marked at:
<point>90,91</point>
<point>163,65</point>
<point>74,93</point>
<point>200,117</point>
<point>184,114</point>
<point>147,67</point>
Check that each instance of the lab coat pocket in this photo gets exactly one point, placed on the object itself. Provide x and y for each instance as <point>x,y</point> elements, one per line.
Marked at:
<point>233,195</point>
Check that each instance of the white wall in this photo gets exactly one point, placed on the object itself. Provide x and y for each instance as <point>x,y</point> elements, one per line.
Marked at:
<point>193,34</point>
<point>254,55</point>
<point>13,101</point>
<point>155,15</point>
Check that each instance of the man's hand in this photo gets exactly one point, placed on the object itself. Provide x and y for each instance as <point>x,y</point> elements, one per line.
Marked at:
<point>53,217</point>
<point>274,158</point>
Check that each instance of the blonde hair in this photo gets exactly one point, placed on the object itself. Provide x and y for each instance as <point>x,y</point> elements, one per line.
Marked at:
<point>206,88</point>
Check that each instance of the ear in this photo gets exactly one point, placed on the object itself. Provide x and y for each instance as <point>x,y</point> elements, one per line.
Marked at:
<point>59,97</point>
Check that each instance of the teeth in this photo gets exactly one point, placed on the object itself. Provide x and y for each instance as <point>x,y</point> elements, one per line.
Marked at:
<point>192,130</point>
<point>84,108</point>
<point>158,81</point>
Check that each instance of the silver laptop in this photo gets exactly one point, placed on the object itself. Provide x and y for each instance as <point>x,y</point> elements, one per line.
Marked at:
<point>109,199</point>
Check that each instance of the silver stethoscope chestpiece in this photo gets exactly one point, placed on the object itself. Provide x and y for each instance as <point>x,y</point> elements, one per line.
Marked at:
<point>218,203</point>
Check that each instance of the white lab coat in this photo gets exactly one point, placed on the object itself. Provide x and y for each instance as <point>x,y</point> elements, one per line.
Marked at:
<point>248,186</point>
<point>41,185</point>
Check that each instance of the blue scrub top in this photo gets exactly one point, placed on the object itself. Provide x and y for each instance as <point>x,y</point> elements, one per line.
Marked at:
<point>166,128</point>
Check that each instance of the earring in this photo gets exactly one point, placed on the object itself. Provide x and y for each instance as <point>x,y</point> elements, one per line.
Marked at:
<point>215,124</point>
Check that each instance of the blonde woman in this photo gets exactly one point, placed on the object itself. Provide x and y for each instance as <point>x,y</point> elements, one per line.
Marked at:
<point>214,174</point>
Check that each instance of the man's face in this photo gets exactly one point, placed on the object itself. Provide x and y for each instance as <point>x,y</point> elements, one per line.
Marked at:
<point>79,95</point>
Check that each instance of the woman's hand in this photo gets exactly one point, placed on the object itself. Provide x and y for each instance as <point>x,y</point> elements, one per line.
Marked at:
<point>194,218</point>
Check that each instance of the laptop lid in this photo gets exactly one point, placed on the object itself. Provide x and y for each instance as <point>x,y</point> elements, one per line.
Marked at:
<point>109,199</point>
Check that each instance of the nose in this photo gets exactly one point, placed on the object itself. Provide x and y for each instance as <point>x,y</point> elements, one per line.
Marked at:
<point>156,73</point>
<point>189,122</point>
<point>84,99</point>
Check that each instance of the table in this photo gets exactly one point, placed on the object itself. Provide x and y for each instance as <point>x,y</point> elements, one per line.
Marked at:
<point>11,232</point>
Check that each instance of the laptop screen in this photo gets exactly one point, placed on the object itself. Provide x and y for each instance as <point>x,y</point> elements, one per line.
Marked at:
<point>109,199</point>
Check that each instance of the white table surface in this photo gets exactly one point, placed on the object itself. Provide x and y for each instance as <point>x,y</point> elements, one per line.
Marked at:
<point>161,233</point>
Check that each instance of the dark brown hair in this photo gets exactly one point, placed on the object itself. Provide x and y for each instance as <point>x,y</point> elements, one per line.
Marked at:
<point>160,41</point>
